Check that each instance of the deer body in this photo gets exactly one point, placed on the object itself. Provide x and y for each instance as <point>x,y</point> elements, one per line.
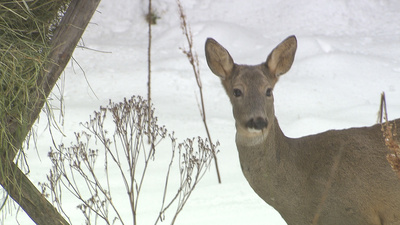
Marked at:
<point>341,177</point>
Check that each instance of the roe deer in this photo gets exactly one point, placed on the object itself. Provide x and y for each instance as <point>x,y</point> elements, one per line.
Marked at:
<point>340,177</point>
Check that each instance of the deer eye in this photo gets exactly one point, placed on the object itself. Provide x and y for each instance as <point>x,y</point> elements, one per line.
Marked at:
<point>269,92</point>
<point>237,92</point>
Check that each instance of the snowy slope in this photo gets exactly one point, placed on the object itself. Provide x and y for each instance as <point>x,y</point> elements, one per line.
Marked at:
<point>348,53</point>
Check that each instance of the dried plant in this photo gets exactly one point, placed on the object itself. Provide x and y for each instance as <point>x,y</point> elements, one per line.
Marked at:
<point>84,168</point>
<point>389,133</point>
<point>194,62</point>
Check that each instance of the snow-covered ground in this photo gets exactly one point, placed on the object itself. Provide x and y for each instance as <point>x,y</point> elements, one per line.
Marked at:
<point>348,53</point>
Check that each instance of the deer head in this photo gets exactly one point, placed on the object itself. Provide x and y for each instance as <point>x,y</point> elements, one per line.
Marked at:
<point>250,88</point>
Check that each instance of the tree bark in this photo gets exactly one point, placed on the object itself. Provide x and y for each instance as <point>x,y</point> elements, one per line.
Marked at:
<point>29,198</point>
<point>63,43</point>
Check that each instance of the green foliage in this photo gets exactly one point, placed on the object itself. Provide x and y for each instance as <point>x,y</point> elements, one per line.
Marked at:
<point>26,28</point>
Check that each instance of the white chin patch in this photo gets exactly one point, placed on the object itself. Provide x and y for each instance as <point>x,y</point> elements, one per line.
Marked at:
<point>254,131</point>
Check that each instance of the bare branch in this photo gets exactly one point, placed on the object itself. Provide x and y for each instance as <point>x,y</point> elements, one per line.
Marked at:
<point>194,61</point>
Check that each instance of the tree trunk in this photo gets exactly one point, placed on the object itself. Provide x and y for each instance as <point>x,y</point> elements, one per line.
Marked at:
<point>63,43</point>
<point>21,189</point>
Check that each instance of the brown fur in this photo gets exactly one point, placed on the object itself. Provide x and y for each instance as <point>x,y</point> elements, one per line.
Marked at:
<point>341,177</point>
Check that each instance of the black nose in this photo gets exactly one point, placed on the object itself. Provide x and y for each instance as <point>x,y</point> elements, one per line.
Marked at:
<point>258,123</point>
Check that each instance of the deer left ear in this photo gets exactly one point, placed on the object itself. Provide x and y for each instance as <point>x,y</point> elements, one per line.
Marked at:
<point>281,58</point>
<point>218,59</point>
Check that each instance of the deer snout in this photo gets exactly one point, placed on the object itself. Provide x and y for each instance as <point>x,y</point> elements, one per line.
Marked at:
<point>257,124</point>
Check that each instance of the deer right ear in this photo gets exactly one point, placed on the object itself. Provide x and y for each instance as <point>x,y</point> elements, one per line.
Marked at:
<point>218,59</point>
<point>281,58</point>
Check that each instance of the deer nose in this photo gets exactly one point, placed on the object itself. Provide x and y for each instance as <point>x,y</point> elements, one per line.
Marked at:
<point>258,123</point>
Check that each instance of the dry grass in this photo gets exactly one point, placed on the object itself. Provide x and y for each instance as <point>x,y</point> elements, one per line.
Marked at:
<point>26,28</point>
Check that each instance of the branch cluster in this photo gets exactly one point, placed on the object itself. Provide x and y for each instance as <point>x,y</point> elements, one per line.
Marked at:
<point>84,168</point>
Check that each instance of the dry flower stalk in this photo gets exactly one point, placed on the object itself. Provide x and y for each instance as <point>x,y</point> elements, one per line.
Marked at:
<point>390,136</point>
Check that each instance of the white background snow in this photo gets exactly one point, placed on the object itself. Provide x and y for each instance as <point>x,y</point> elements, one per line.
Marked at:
<point>348,53</point>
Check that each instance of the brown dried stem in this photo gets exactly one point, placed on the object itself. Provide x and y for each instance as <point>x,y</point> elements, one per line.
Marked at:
<point>149,61</point>
<point>389,133</point>
<point>194,61</point>
<point>75,167</point>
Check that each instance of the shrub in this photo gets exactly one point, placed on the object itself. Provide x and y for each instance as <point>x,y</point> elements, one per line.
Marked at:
<point>84,168</point>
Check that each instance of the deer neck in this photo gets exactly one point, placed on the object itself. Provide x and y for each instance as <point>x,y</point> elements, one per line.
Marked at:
<point>260,159</point>
<point>269,143</point>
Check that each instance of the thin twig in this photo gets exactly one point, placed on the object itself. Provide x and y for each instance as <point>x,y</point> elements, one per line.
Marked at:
<point>193,59</point>
<point>383,110</point>
<point>149,71</point>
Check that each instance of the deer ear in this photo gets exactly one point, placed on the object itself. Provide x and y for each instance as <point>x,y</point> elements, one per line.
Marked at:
<point>218,59</point>
<point>281,58</point>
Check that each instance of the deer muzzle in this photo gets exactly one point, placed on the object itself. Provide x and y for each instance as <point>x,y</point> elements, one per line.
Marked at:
<point>257,124</point>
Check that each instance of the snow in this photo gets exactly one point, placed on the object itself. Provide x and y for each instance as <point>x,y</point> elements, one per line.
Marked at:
<point>348,53</point>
